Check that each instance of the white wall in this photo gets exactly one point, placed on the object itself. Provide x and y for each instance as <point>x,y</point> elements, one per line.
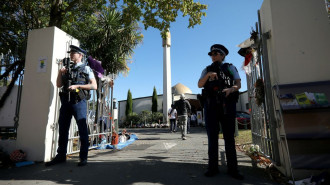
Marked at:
<point>242,101</point>
<point>299,49</point>
<point>187,96</point>
<point>139,104</point>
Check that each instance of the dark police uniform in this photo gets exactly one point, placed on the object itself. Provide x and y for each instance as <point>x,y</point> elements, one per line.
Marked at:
<point>73,104</point>
<point>218,108</point>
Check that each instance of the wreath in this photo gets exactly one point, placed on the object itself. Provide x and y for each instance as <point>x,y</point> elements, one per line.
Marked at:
<point>259,91</point>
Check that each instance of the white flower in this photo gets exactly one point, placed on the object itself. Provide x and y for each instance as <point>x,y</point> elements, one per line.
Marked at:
<point>257,148</point>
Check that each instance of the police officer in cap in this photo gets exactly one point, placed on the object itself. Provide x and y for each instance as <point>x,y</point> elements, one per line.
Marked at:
<point>73,103</point>
<point>220,82</point>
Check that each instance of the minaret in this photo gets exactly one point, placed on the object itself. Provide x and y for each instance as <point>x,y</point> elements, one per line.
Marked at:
<point>167,91</point>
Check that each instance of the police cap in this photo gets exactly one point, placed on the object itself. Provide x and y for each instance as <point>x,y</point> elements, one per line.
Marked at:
<point>219,48</point>
<point>74,48</point>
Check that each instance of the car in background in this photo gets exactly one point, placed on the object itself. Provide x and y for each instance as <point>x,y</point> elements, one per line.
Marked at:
<point>243,119</point>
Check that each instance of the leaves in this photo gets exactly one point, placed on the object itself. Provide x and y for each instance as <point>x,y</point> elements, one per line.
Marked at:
<point>107,29</point>
<point>160,14</point>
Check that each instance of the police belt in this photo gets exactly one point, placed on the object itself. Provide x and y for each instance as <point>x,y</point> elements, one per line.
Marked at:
<point>211,93</point>
<point>74,96</point>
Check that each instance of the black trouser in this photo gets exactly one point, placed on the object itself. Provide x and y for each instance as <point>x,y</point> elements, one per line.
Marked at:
<point>213,115</point>
<point>173,125</point>
<point>78,111</point>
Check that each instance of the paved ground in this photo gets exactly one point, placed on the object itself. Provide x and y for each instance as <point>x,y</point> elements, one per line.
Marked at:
<point>157,157</point>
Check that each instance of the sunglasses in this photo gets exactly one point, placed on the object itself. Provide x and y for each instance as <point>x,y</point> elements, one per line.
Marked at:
<point>215,54</point>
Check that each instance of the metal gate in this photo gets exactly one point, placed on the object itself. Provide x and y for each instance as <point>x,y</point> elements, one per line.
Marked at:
<point>11,78</point>
<point>263,119</point>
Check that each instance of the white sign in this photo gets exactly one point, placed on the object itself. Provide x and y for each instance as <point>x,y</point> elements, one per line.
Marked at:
<point>42,65</point>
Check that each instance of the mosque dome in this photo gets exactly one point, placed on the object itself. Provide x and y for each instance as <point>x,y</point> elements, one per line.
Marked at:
<point>180,89</point>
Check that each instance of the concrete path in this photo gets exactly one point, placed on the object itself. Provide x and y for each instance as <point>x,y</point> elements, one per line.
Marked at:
<point>157,157</point>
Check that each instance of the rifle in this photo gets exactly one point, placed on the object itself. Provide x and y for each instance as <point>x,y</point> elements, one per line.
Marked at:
<point>216,87</point>
<point>66,64</point>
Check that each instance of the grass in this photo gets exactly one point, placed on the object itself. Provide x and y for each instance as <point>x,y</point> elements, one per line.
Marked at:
<point>244,137</point>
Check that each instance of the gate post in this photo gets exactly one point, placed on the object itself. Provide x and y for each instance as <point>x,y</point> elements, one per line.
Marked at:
<point>39,103</point>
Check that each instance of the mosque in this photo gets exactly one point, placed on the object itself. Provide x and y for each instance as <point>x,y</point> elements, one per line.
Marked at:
<point>145,103</point>
<point>172,93</point>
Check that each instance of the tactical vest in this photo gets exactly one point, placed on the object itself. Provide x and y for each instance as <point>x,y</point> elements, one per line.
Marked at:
<point>77,77</point>
<point>225,80</point>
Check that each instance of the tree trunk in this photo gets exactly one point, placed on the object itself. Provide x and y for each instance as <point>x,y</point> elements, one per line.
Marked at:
<point>56,17</point>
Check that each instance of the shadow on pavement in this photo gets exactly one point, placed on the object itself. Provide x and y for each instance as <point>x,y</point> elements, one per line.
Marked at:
<point>150,170</point>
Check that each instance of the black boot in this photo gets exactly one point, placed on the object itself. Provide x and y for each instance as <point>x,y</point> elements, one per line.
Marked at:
<point>83,162</point>
<point>56,160</point>
<point>211,173</point>
<point>236,175</point>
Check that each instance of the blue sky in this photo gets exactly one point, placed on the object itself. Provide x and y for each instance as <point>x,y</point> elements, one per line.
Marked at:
<point>227,22</point>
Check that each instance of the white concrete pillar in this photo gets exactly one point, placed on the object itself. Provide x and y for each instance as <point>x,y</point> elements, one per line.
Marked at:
<point>167,91</point>
<point>39,101</point>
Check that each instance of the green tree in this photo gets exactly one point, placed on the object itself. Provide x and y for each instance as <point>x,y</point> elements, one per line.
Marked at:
<point>154,101</point>
<point>90,21</point>
<point>160,14</point>
<point>129,103</point>
<point>146,116</point>
<point>132,118</point>
<point>156,116</point>
<point>20,16</point>
<point>74,16</point>
<point>17,17</point>
<point>113,42</point>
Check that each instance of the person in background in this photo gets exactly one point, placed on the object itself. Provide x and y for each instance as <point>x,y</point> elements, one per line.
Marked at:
<point>193,120</point>
<point>183,108</point>
<point>172,114</point>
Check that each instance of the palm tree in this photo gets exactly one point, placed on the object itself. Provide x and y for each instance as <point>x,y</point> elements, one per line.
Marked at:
<point>111,41</point>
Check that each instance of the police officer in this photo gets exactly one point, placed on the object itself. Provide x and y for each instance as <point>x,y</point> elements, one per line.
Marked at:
<point>220,82</point>
<point>75,91</point>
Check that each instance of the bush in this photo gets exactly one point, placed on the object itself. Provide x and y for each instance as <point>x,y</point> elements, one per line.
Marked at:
<point>156,116</point>
<point>145,116</point>
<point>132,118</point>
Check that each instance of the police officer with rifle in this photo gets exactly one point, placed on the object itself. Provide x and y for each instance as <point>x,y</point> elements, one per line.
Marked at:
<point>76,80</point>
<point>220,82</point>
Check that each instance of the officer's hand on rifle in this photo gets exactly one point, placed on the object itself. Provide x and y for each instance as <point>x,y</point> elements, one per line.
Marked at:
<point>63,70</point>
<point>212,76</point>
<point>74,88</point>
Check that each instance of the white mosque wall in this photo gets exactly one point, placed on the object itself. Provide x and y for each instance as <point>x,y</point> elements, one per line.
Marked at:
<point>139,105</point>
<point>144,103</point>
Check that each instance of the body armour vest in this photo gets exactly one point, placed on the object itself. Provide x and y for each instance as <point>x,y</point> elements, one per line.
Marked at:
<point>225,80</point>
<point>77,77</point>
